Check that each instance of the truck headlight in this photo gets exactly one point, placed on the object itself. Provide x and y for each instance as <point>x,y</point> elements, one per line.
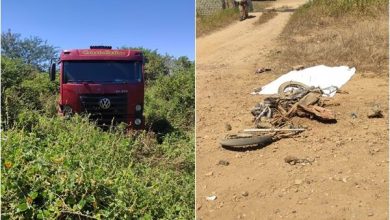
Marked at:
<point>138,108</point>
<point>137,121</point>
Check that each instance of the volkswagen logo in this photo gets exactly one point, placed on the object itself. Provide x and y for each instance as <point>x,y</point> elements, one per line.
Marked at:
<point>104,103</point>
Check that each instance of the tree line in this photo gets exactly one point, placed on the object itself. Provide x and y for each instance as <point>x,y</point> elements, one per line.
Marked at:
<point>38,53</point>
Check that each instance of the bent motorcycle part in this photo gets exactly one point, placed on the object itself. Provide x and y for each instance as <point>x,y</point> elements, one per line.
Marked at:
<point>320,112</point>
<point>257,141</point>
<point>273,129</point>
<point>291,86</point>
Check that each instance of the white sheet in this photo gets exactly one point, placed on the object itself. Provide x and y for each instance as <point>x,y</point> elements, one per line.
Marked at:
<point>318,76</point>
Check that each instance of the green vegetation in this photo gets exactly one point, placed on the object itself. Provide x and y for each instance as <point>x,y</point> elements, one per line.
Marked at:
<point>172,98</point>
<point>206,24</point>
<point>337,32</point>
<point>209,23</point>
<point>157,65</point>
<point>53,168</point>
<point>24,88</point>
<point>32,50</point>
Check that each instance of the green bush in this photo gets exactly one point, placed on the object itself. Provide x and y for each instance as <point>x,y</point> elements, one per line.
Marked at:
<point>172,98</point>
<point>156,64</point>
<point>35,93</point>
<point>13,72</point>
<point>55,168</point>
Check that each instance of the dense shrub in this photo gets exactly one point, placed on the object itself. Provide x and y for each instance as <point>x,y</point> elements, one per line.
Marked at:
<point>35,92</point>
<point>13,72</point>
<point>155,64</point>
<point>172,98</point>
<point>55,168</point>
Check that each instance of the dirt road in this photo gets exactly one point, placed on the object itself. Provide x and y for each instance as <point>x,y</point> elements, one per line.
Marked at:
<point>349,176</point>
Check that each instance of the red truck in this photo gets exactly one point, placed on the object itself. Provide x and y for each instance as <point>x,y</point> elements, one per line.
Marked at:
<point>106,84</point>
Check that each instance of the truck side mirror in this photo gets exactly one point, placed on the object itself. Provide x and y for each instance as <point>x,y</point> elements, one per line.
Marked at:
<point>52,72</point>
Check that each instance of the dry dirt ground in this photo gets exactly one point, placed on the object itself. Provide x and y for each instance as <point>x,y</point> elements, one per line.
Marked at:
<point>349,176</point>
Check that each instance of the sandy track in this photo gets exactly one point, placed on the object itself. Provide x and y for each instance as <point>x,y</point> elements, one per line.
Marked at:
<point>349,177</point>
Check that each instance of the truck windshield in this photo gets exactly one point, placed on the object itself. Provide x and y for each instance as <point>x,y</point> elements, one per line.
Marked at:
<point>102,71</point>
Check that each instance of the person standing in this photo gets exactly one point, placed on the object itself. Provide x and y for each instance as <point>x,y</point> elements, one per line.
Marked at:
<point>243,7</point>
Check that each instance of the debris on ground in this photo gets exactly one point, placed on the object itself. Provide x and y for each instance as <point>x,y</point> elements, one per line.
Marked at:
<point>256,91</point>
<point>228,127</point>
<point>245,193</point>
<point>262,70</point>
<point>298,67</point>
<point>374,151</point>
<point>209,173</point>
<point>273,115</point>
<point>298,182</point>
<point>375,112</point>
<point>293,99</point>
<point>211,198</point>
<point>223,163</point>
<point>292,160</point>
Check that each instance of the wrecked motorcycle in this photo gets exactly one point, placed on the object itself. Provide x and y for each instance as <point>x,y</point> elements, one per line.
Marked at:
<point>272,116</point>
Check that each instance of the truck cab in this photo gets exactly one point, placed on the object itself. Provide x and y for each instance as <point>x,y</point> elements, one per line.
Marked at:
<point>106,84</point>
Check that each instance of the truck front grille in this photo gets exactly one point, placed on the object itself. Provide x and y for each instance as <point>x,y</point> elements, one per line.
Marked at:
<point>116,113</point>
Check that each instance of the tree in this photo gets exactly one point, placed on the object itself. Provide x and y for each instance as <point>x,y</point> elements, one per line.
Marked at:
<point>156,64</point>
<point>183,63</point>
<point>33,50</point>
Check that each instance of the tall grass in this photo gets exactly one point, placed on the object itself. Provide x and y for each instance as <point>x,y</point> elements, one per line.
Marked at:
<point>337,32</point>
<point>206,24</point>
<point>320,12</point>
<point>336,8</point>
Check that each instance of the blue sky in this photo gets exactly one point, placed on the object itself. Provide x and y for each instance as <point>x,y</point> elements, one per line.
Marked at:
<point>167,26</point>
